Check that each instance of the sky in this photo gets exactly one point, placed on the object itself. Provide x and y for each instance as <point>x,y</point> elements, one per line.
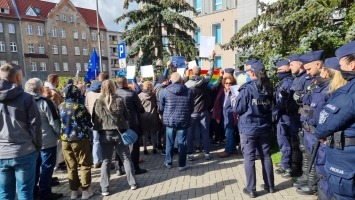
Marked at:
<point>108,9</point>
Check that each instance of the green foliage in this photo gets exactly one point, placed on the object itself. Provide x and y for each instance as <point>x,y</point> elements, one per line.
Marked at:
<point>294,26</point>
<point>63,81</point>
<point>155,21</point>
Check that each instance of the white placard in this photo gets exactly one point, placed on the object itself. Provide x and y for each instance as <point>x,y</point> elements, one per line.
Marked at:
<point>181,71</point>
<point>207,46</point>
<point>131,72</point>
<point>192,64</point>
<point>147,71</point>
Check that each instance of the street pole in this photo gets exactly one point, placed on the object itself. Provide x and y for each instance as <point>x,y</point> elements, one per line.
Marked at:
<point>98,34</point>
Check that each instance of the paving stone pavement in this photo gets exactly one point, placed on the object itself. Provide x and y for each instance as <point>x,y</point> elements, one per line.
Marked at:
<point>214,179</point>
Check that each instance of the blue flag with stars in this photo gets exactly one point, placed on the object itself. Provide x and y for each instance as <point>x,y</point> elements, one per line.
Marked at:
<point>93,68</point>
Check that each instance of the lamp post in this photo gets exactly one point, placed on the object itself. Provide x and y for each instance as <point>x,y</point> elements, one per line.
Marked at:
<point>98,34</point>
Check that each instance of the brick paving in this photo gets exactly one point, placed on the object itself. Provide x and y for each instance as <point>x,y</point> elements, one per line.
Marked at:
<point>214,179</point>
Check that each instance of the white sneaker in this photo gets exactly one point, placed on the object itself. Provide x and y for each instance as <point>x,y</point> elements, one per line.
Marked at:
<point>75,194</point>
<point>133,187</point>
<point>207,156</point>
<point>190,157</point>
<point>184,168</point>
<point>87,194</point>
<point>105,193</point>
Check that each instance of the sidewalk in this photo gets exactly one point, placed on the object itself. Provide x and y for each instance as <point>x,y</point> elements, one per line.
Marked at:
<point>214,179</point>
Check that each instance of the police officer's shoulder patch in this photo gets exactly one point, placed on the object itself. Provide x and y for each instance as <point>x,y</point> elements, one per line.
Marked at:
<point>332,108</point>
<point>323,115</point>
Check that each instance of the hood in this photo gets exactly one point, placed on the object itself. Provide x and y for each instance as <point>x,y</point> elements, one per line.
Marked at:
<point>176,88</point>
<point>96,86</point>
<point>9,91</point>
<point>195,81</point>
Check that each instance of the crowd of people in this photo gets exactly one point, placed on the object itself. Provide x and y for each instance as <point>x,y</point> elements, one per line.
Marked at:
<point>80,128</point>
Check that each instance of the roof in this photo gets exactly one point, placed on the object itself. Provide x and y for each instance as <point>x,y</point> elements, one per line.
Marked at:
<point>46,7</point>
<point>8,4</point>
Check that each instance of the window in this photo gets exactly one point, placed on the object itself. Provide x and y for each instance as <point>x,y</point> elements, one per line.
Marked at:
<point>78,20</point>
<point>41,49</point>
<point>104,67</point>
<point>85,51</point>
<point>43,66</point>
<point>235,26</point>
<point>76,34</point>
<point>64,18</point>
<point>217,32</point>
<point>78,67</point>
<point>65,67</point>
<point>2,46</point>
<point>218,60</point>
<point>83,35</point>
<point>15,62</point>
<point>1,28</point>
<point>29,29</point>
<point>71,19</point>
<point>62,33</point>
<point>33,66</point>
<point>77,51</point>
<point>53,32</point>
<point>13,46</point>
<point>102,37</point>
<point>57,17</point>
<point>102,52</point>
<point>93,36</point>
<point>11,28</point>
<point>39,31</point>
<point>54,49</point>
<point>86,67</point>
<point>197,36</point>
<point>31,48</point>
<point>56,67</point>
<point>197,5</point>
<point>2,62</point>
<point>64,50</point>
<point>217,4</point>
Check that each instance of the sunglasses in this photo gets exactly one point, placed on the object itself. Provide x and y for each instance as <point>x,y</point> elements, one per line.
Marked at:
<point>229,83</point>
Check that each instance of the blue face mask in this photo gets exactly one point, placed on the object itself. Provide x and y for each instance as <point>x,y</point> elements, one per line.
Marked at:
<point>282,75</point>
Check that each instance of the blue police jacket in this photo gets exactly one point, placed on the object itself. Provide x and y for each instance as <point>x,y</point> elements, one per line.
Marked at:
<point>339,113</point>
<point>253,105</point>
<point>315,99</point>
<point>301,82</point>
<point>284,102</point>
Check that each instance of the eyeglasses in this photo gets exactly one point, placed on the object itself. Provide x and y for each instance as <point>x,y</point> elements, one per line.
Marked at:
<point>229,83</point>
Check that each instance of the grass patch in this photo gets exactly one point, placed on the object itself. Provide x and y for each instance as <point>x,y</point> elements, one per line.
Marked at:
<point>276,157</point>
<point>275,151</point>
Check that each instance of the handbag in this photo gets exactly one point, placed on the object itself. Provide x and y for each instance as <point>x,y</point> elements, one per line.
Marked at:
<point>129,136</point>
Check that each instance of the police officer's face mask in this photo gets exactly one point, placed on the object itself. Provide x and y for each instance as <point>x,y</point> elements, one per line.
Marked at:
<point>283,74</point>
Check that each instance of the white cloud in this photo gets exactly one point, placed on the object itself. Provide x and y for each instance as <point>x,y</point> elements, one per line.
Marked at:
<point>109,10</point>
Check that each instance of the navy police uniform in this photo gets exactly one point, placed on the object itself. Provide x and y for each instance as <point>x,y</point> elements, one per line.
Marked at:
<point>285,113</point>
<point>336,121</point>
<point>253,106</point>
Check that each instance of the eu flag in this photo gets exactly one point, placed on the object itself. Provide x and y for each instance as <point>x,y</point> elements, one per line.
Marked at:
<point>93,68</point>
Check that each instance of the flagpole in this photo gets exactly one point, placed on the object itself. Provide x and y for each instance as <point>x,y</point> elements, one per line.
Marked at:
<point>98,34</point>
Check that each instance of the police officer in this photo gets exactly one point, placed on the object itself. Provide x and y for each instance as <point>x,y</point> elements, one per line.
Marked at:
<point>329,71</point>
<point>253,105</point>
<point>314,102</point>
<point>285,112</point>
<point>298,88</point>
<point>337,120</point>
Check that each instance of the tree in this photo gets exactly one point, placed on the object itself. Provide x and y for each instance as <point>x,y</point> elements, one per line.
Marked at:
<point>294,26</point>
<point>155,21</point>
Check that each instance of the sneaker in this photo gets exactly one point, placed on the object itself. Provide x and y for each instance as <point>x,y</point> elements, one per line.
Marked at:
<point>163,153</point>
<point>168,166</point>
<point>207,156</point>
<point>184,168</point>
<point>134,187</point>
<point>75,194</point>
<point>105,193</point>
<point>87,194</point>
<point>190,157</point>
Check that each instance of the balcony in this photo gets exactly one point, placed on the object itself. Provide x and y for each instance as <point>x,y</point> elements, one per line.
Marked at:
<point>114,54</point>
<point>115,65</point>
<point>113,42</point>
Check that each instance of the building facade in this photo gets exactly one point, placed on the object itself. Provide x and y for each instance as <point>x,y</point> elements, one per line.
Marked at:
<point>59,38</point>
<point>221,19</point>
<point>10,34</point>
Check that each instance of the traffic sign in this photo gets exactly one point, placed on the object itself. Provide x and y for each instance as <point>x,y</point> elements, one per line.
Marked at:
<point>121,50</point>
<point>122,63</point>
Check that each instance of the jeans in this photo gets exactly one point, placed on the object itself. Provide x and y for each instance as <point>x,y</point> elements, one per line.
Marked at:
<point>230,141</point>
<point>78,153</point>
<point>96,147</point>
<point>44,170</point>
<point>171,134</point>
<point>251,144</point>
<point>200,125</point>
<point>18,174</point>
<point>109,140</point>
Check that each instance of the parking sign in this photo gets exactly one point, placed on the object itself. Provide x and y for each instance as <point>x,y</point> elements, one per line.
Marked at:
<point>122,54</point>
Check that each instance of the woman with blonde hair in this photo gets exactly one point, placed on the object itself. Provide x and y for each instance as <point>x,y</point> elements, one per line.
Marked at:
<point>149,120</point>
<point>110,118</point>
